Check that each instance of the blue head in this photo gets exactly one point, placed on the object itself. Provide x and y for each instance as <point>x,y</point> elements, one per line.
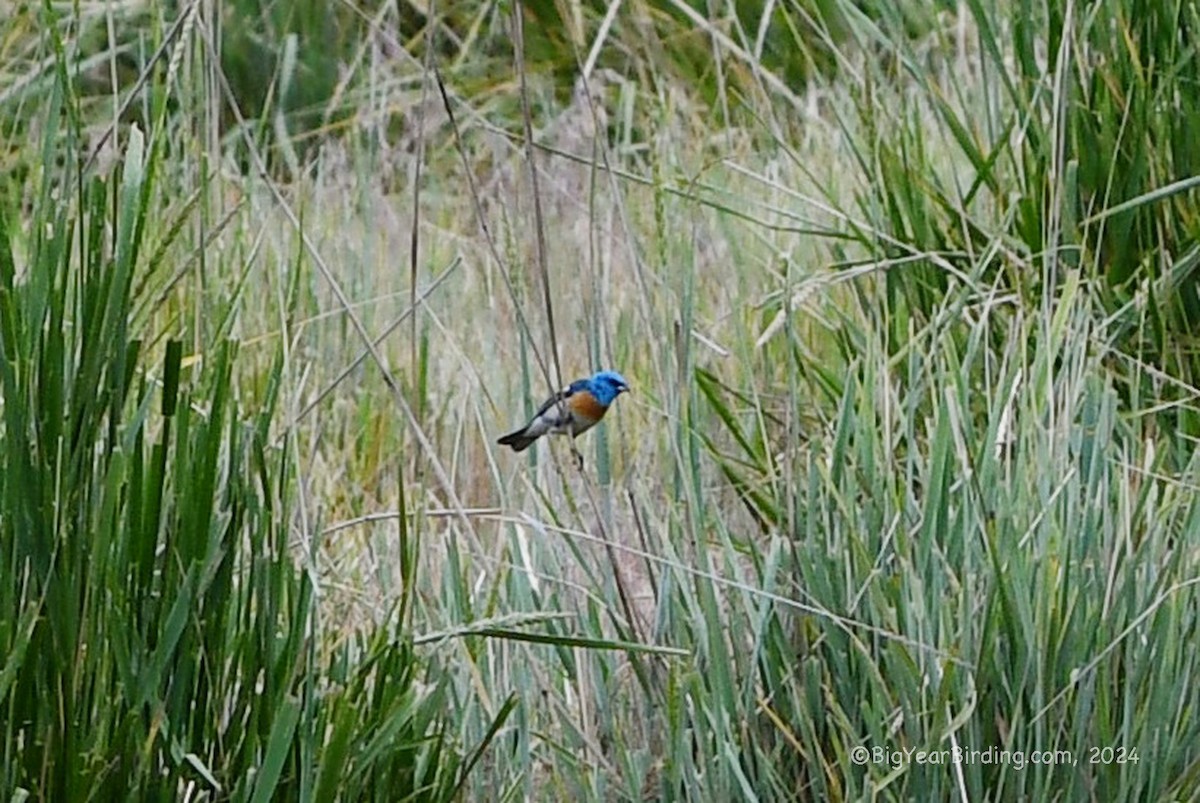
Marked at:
<point>606,386</point>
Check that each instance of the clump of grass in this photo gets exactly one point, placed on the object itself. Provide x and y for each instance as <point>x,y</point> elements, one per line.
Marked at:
<point>958,570</point>
<point>159,636</point>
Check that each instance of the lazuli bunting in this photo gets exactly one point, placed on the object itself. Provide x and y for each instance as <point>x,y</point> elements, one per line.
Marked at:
<point>572,411</point>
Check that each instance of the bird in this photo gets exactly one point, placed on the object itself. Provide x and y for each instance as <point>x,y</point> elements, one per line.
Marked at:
<point>572,411</point>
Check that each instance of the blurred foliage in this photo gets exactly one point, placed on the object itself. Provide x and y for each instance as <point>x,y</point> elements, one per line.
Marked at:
<point>288,57</point>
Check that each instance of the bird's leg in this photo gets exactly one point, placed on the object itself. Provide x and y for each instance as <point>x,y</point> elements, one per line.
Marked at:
<point>578,455</point>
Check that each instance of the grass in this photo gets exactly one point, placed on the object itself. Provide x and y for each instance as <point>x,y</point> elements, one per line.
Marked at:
<point>907,467</point>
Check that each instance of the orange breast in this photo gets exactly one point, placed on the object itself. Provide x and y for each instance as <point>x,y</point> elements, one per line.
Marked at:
<point>585,406</point>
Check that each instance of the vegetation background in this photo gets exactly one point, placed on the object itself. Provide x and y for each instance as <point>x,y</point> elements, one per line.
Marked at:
<point>907,294</point>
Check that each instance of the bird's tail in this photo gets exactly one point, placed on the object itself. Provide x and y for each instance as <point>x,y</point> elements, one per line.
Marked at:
<point>518,440</point>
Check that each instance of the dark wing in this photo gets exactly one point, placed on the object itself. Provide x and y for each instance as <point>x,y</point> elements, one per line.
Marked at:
<point>564,394</point>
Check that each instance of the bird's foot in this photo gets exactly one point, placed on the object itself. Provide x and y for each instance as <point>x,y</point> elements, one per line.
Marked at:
<point>578,455</point>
